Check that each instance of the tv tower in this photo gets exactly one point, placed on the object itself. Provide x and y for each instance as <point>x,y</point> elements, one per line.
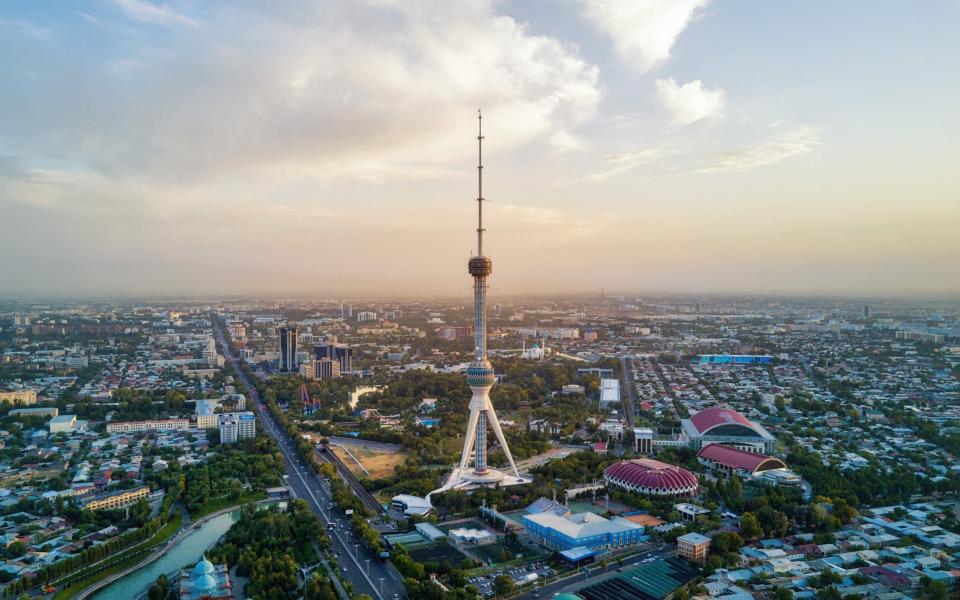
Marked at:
<point>480,376</point>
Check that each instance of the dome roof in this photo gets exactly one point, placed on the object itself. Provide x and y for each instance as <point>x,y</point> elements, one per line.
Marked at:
<point>651,476</point>
<point>204,567</point>
<point>205,584</point>
<point>716,416</point>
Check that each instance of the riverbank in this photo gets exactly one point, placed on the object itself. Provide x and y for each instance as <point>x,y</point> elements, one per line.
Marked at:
<point>162,535</point>
<point>110,576</point>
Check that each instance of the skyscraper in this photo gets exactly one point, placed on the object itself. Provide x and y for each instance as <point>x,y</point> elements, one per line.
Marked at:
<point>480,375</point>
<point>288,350</point>
<point>337,352</point>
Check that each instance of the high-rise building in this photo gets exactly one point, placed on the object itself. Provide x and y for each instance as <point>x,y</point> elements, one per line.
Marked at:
<point>237,426</point>
<point>238,330</point>
<point>337,352</point>
<point>366,315</point>
<point>326,368</point>
<point>480,375</point>
<point>288,350</point>
<point>229,429</point>
<point>866,311</point>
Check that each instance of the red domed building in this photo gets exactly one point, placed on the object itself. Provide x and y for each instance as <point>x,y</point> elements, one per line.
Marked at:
<point>651,477</point>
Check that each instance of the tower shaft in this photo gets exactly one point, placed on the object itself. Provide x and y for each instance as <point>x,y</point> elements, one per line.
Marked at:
<point>480,375</point>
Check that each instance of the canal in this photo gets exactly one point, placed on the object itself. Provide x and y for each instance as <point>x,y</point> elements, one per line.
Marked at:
<point>187,552</point>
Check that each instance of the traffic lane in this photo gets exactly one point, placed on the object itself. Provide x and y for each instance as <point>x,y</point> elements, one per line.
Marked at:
<point>356,575</point>
<point>356,551</point>
<point>391,579</point>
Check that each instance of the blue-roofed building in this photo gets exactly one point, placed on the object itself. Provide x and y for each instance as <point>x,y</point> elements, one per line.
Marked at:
<point>430,531</point>
<point>205,580</point>
<point>542,505</point>
<point>581,530</point>
<point>578,556</point>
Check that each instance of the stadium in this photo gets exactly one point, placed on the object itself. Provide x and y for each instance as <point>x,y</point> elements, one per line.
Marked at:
<point>651,477</point>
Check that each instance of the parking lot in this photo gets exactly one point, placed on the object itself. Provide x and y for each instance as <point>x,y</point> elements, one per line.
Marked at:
<point>520,575</point>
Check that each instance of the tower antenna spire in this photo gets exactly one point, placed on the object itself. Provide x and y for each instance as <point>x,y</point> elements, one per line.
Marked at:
<point>480,229</point>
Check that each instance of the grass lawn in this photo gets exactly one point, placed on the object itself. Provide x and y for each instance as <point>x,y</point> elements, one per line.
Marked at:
<point>222,503</point>
<point>379,464</point>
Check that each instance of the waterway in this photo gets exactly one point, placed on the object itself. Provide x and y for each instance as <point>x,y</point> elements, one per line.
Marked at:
<point>187,552</point>
<point>363,389</point>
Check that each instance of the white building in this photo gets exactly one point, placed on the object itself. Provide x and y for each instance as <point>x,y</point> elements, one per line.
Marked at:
<point>149,425</point>
<point>236,426</point>
<point>609,392</point>
<point>63,424</point>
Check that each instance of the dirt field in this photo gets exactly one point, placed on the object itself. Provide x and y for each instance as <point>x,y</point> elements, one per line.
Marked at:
<point>379,464</point>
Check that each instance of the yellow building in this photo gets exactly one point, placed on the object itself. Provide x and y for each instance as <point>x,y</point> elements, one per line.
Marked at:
<point>693,547</point>
<point>19,397</point>
<point>118,500</point>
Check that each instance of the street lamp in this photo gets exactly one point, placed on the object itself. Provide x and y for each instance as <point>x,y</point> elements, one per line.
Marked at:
<point>381,587</point>
<point>368,567</point>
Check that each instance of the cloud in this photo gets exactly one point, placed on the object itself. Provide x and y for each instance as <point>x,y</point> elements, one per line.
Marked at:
<point>642,31</point>
<point>778,149</point>
<point>563,141</point>
<point>690,102</point>
<point>577,225</point>
<point>349,90</point>
<point>625,161</point>
<point>148,12</point>
<point>26,28</point>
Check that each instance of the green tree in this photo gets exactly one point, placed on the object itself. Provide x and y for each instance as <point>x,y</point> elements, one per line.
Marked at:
<point>750,527</point>
<point>783,593</point>
<point>502,585</point>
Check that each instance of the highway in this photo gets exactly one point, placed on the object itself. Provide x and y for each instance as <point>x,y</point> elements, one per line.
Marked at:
<point>357,564</point>
<point>629,402</point>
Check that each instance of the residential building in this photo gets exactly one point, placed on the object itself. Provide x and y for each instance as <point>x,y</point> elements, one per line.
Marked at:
<point>236,426</point>
<point>693,547</point>
<point>117,499</point>
<point>36,411</point>
<point>148,425</point>
<point>19,397</point>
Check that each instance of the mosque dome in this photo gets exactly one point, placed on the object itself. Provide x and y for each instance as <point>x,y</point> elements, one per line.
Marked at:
<point>205,584</point>
<point>204,567</point>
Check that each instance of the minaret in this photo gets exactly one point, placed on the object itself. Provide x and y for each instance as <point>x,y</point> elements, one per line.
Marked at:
<point>480,376</point>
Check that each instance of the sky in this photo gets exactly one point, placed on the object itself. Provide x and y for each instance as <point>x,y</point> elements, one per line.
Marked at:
<point>329,148</point>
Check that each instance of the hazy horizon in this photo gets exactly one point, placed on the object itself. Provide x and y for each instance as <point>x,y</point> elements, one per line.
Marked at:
<point>693,147</point>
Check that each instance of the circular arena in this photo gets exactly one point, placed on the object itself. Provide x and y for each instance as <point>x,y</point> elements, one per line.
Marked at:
<point>651,477</point>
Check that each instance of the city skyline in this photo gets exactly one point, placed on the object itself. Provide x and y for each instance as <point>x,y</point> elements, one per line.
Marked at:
<point>705,148</point>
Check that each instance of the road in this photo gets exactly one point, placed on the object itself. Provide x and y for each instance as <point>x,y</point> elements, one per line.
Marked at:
<point>358,565</point>
<point>595,574</point>
<point>629,400</point>
<point>376,446</point>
